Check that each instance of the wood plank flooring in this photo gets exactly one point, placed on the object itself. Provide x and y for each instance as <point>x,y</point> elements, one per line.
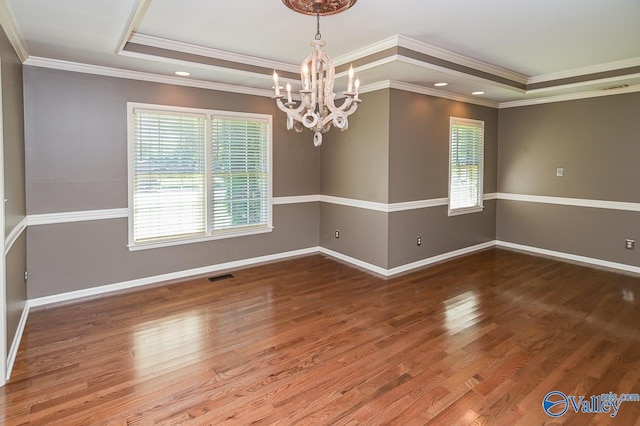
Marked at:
<point>473,341</point>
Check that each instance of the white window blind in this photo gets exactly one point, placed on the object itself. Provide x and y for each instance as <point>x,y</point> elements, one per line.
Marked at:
<point>240,167</point>
<point>197,174</point>
<point>169,176</point>
<point>466,166</point>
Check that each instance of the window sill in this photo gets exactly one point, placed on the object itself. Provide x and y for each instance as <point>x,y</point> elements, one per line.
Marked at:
<point>192,240</point>
<point>467,210</point>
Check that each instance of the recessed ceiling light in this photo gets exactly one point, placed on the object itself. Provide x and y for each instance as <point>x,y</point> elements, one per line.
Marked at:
<point>441,84</point>
<point>478,93</point>
<point>183,73</point>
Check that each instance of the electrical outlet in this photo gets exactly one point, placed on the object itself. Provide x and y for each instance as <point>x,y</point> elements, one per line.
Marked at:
<point>337,234</point>
<point>25,275</point>
<point>419,241</point>
<point>560,171</point>
<point>630,244</point>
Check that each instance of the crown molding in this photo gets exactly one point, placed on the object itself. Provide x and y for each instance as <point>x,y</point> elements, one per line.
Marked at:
<point>137,14</point>
<point>465,75</point>
<point>447,55</point>
<point>385,84</point>
<point>143,76</point>
<point>267,76</point>
<point>585,83</point>
<point>399,40</point>
<point>569,97</point>
<point>577,72</point>
<point>408,87</point>
<point>373,87</point>
<point>192,49</point>
<point>8,23</point>
<point>179,81</point>
<point>167,60</point>
<point>365,51</point>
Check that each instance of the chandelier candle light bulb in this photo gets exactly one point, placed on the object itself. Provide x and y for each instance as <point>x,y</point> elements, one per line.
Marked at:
<point>305,74</point>
<point>275,83</point>
<point>289,94</point>
<point>317,110</point>
<point>350,84</point>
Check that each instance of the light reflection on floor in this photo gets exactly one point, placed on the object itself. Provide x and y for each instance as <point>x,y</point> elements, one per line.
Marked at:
<point>628,295</point>
<point>461,311</point>
<point>155,343</point>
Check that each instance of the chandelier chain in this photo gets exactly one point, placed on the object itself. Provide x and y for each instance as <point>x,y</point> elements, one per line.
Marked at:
<point>318,35</point>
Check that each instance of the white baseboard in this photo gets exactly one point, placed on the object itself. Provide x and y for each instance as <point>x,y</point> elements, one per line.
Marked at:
<point>355,262</point>
<point>13,351</point>
<point>572,257</point>
<point>440,258</point>
<point>156,279</point>
<point>109,288</point>
<point>189,273</point>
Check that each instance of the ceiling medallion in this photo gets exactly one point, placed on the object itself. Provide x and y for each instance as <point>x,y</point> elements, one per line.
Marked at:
<point>321,7</point>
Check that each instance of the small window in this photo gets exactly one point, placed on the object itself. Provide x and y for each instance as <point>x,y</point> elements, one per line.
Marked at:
<point>197,174</point>
<point>465,166</point>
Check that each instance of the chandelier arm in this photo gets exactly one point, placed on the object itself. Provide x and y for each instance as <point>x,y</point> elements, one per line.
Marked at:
<point>308,79</point>
<point>314,80</point>
<point>345,110</point>
<point>345,106</point>
<point>295,113</point>
<point>320,88</point>
<point>331,72</point>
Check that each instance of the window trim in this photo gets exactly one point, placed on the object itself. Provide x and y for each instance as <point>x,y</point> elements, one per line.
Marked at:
<point>477,208</point>
<point>215,235</point>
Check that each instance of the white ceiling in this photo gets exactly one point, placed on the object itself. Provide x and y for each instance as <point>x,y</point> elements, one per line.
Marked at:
<point>525,41</point>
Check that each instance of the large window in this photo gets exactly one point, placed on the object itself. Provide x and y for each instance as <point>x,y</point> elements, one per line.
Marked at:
<point>197,174</point>
<point>465,166</point>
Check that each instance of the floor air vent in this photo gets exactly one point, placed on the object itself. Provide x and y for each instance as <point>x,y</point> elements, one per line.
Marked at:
<point>220,278</point>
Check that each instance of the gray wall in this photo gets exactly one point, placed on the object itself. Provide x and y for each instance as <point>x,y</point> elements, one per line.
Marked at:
<point>597,143</point>
<point>16,285</point>
<point>364,234</point>
<point>419,170</point>
<point>419,145</point>
<point>14,181</point>
<point>77,138</point>
<point>13,127</point>
<point>76,143</point>
<point>440,233</point>
<point>397,150</point>
<point>79,255</point>
<point>355,165</point>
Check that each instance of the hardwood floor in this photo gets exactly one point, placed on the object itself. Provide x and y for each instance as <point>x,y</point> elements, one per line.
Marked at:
<point>476,340</point>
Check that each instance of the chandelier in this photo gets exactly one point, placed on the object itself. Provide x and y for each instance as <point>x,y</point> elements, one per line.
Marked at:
<point>317,109</point>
